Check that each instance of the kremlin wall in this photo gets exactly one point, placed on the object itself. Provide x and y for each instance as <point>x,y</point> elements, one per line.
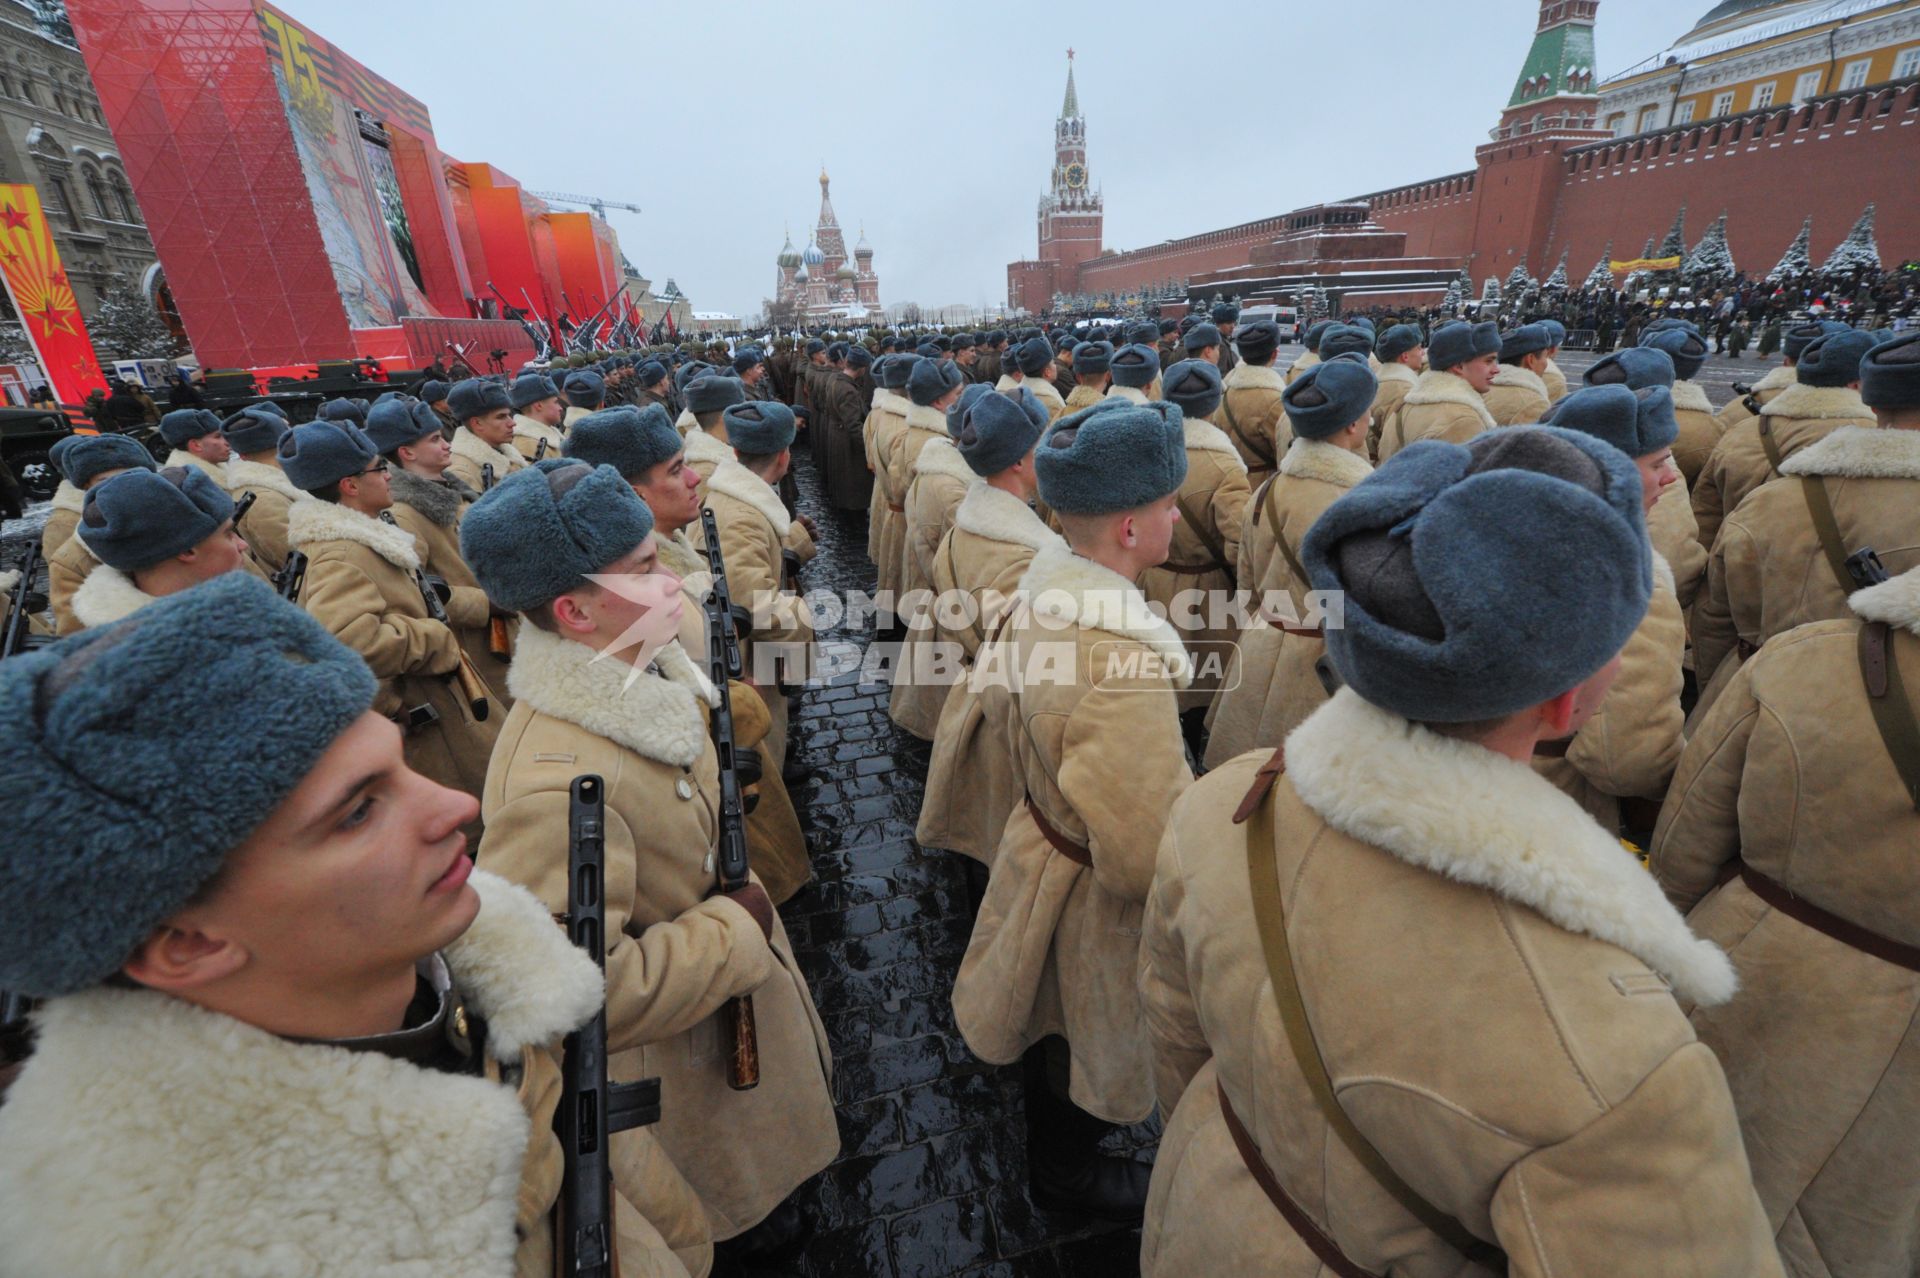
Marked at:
<point>1554,180</point>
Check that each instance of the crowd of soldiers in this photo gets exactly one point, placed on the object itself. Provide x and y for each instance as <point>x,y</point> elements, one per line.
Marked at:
<point>1474,811</point>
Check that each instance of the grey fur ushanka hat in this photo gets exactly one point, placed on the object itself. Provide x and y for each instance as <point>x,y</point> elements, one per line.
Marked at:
<point>1114,456</point>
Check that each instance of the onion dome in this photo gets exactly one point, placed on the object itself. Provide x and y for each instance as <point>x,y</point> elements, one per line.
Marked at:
<point>789,255</point>
<point>846,272</point>
<point>813,256</point>
<point>802,275</point>
<point>863,249</point>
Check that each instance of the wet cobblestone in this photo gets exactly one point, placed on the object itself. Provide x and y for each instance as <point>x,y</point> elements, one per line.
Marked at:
<point>932,1174</point>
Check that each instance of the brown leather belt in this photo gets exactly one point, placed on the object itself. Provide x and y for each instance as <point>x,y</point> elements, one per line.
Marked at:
<point>1193,570</point>
<point>1293,627</point>
<point>1552,749</point>
<point>1781,897</point>
<point>896,509</point>
<point>1061,843</point>
<point>1325,1248</point>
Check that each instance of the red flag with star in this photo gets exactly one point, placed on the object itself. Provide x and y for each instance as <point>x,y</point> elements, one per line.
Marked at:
<point>42,297</point>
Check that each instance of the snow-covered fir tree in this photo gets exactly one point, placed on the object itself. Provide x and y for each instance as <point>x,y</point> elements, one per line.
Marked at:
<point>1857,252</point>
<point>1518,280</point>
<point>1675,245</point>
<point>1710,257</point>
<point>1450,304</point>
<point>1601,276</point>
<point>1557,282</point>
<point>125,326</point>
<point>1490,291</point>
<point>1796,260</point>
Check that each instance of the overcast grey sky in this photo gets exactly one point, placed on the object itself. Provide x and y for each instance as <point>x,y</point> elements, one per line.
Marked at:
<point>936,120</point>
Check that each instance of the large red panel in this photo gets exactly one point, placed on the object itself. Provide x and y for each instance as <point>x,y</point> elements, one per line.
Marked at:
<point>188,90</point>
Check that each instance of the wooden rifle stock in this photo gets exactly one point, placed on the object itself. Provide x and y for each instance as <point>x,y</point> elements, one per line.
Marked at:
<point>731,869</point>
<point>473,689</point>
<point>499,638</point>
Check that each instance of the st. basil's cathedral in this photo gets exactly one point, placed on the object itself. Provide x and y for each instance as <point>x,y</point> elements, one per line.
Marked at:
<point>820,282</point>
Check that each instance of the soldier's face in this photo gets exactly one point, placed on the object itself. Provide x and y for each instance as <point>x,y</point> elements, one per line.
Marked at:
<point>550,411</point>
<point>211,447</point>
<point>1657,474</point>
<point>360,871</point>
<point>221,552</point>
<point>431,453</point>
<point>495,428</point>
<point>671,490</point>
<point>1480,371</point>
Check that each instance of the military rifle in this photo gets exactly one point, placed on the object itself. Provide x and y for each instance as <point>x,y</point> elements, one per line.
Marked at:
<point>486,477</point>
<point>292,575</point>
<point>1864,566</point>
<point>539,451</point>
<point>591,1108</point>
<point>472,686</point>
<point>730,862</point>
<point>241,507</point>
<point>13,631</point>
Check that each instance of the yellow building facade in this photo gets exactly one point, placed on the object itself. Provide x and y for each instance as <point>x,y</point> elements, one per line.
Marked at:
<point>1751,55</point>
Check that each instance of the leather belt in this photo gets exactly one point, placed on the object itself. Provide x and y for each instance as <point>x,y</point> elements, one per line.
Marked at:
<point>896,508</point>
<point>1292,627</point>
<point>1193,570</point>
<point>1781,897</point>
<point>1323,1247</point>
<point>1061,843</point>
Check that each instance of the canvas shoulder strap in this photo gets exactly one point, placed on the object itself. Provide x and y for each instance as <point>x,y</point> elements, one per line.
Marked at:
<point>1892,712</point>
<point>1270,512</point>
<point>1205,531</point>
<point>1239,436</point>
<point>1770,444</point>
<point>1269,913</point>
<point>1827,528</point>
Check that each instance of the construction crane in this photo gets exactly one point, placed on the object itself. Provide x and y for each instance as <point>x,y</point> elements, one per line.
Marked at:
<point>598,204</point>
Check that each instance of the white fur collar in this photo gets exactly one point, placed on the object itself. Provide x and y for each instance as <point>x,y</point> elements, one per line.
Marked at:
<point>1008,382</point>
<point>1317,459</point>
<point>1663,575</point>
<point>1132,393</point>
<point>1480,818</point>
<point>1895,601</point>
<point>741,484</point>
<point>1799,400</point>
<point>705,447</point>
<point>251,474</point>
<point>305,1158</point>
<point>1398,372</point>
<point>1858,452</point>
<point>537,431</point>
<point>940,457</point>
<point>311,522</point>
<point>686,423</point>
<point>216,471</point>
<point>886,397</point>
<point>70,499</point>
<point>1203,436</point>
<point>1778,376</point>
<point>657,715</point>
<point>477,450</point>
<point>1263,376</point>
<point>998,515</point>
<point>1044,391</point>
<point>1074,590</point>
<point>926,417</point>
<point>1437,387</point>
<point>106,596</point>
<point>1691,395</point>
<point>1526,378</point>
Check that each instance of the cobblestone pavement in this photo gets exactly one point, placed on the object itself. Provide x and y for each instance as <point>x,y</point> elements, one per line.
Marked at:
<point>932,1175</point>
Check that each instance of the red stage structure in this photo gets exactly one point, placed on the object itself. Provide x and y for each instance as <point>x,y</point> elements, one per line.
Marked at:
<point>300,206</point>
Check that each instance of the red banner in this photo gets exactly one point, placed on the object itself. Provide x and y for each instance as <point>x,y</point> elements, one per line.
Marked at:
<point>42,297</point>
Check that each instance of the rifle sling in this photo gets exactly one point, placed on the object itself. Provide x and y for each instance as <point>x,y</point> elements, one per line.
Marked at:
<point>1770,445</point>
<point>1827,528</point>
<point>1270,512</point>
<point>1269,913</point>
<point>1892,711</point>
<point>1209,537</point>
<point>1240,437</point>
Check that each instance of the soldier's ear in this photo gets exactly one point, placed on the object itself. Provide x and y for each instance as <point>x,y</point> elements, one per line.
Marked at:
<point>179,956</point>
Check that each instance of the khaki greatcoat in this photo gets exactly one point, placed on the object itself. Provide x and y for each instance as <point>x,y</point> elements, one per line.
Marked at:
<point>1096,742</point>
<point>676,952</point>
<point>432,512</point>
<point>471,454</point>
<point>1788,774</point>
<point>1486,974</point>
<point>940,481</point>
<point>973,783</point>
<point>360,586</point>
<point>1396,379</point>
<point>1699,431</point>
<point>1272,685</point>
<point>1517,397</point>
<point>1200,562</point>
<point>265,527</point>
<point>1796,417</point>
<point>1440,406</point>
<point>1253,417</point>
<point>1768,574</point>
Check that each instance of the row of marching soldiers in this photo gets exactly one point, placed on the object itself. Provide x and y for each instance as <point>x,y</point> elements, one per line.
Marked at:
<point>286,1021</point>
<point>1390,970</point>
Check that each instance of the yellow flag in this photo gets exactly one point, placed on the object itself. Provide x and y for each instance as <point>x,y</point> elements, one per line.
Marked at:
<point>1645,264</point>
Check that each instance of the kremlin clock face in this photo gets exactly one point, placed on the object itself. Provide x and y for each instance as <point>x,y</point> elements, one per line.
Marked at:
<point>1076,175</point>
